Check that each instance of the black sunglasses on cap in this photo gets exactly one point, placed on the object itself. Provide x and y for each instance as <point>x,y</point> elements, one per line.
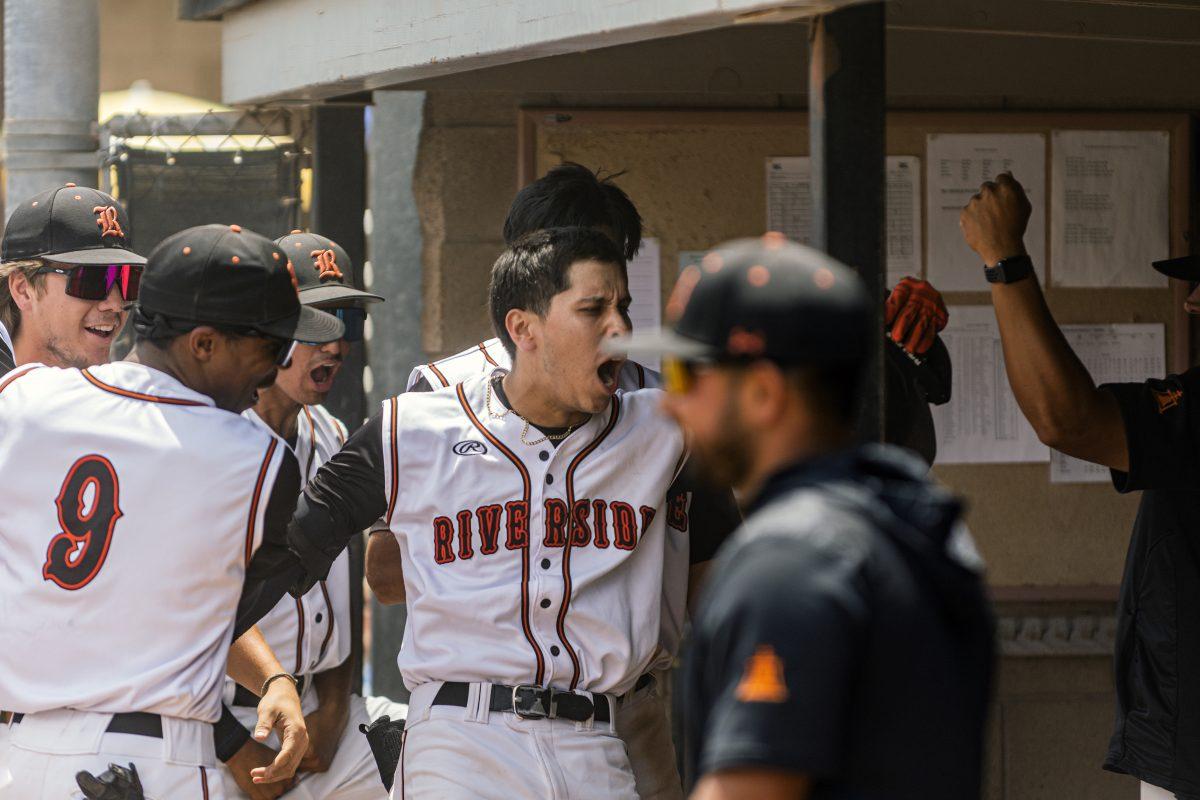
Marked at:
<point>95,281</point>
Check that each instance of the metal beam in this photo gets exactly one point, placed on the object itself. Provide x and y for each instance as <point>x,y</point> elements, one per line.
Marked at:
<point>846,131</point>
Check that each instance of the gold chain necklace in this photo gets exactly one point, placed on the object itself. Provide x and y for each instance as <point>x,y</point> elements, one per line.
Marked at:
<point>546,437</point>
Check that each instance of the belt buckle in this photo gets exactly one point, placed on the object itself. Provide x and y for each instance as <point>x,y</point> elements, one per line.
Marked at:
<point>530,702</point>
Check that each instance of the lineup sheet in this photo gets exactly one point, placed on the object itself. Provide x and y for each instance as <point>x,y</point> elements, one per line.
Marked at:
<point>1110,207</point>
<point>982,423</point>
<point>1112,354</point>
<point>957,164</point>
<point>645,291</point>
<point>790,208</point>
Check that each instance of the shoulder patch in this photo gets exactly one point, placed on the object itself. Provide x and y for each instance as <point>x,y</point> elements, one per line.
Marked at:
<point>1168,399</point>
<point>763,680</point>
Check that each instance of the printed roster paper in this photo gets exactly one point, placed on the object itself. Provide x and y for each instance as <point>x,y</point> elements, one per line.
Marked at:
<point>982,423</point>
<point>1109,216</point>
<point>1112,354</point>
<point>957,164</point>
<point>790,208</point>
<point>645,291</point>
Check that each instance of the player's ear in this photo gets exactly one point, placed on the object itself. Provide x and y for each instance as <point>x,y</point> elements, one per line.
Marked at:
<point>764,389</point>
<point>21,289</point>
<point>202,343</point>
<point>520,325</point>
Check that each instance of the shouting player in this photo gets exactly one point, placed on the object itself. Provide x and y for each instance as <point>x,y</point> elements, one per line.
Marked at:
<point>531,511</point>
<point>66,276</point>
<point>312,634</point>
<point>140,517</point>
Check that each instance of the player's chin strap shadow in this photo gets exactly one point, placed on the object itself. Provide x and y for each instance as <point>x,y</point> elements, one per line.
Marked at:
<point>115,783</point>
<point>386,739</point>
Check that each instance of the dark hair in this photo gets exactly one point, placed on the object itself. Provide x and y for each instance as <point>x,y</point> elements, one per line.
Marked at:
<point>832,389</point>
<point>536,267</point>
<point>571,195</point>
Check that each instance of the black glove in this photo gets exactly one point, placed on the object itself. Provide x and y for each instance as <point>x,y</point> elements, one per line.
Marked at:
<point>116,783</point>
<point>385,738</point>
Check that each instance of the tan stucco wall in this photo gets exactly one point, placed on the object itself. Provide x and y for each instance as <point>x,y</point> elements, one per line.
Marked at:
<point>142,39</point>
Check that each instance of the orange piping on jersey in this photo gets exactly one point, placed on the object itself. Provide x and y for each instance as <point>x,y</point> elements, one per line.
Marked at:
<point>487,355</point>
<point>329,627</point>
<point>516,462</point>
<point>395,491</point>
<point>439,374</point>
<point>262,478</point>
<point>149,398</point>
<point>641,375</point>
<point>204,783</point>
<point>312,444</point>
<point>566,603</point>
<point>12,376</point>
<point>299,637</point>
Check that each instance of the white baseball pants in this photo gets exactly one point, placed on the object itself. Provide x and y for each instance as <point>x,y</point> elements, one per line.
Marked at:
<point>645,727</point>
<point>1152,792</point>
<point>40,756</point>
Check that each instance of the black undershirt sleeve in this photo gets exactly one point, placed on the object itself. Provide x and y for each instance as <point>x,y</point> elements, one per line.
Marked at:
<point>228,735</point>
<point>421,385</point>
<point>345,497</point>
<point>6,359</point>
<point>274,568</point>
<point>1162,432</point>
<point>710,517</point>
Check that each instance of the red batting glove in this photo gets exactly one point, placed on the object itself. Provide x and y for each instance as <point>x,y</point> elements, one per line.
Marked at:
<point>915,313</point>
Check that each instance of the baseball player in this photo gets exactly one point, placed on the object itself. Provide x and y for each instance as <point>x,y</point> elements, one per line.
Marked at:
<point>141,518</point>
<point>66,274</point>
<point>312,634</point>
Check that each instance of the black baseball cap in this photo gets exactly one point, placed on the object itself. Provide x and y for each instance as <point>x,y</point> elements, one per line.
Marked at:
<point>765,298</point>
<point>72,225</point>
<point>323,269</point>
<point>225,275</point>
<point>1186,268</point>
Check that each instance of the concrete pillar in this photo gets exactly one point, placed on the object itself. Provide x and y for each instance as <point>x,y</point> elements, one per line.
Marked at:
<point>51,93</point>
<point>394,244</point>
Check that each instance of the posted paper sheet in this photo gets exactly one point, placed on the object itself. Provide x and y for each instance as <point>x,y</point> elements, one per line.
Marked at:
<point>789,208</point>
<point>982,423</point>
<point>645,291</point>
<point>1112,354</point>
<point>957,165</point>
<point>1109,213</point>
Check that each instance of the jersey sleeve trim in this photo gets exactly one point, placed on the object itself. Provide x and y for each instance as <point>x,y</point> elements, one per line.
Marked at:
<point>312,442</point>
<point>18,373</point>
<point>437,372</point>
<point>393,460</point>
<point>525,498</point>
<point>566,559</point>
<point>149,398</point>
<point>252,521</point>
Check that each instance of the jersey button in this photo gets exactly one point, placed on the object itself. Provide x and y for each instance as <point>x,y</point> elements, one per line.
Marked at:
<point>319,617</point>
<point>549,479</point>
<point>545,563</point>
<point>545,602</point>
<point>554,650</point>
<point>544,456</point>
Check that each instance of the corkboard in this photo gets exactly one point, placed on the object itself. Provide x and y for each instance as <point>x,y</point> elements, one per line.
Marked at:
<point>698,178</point>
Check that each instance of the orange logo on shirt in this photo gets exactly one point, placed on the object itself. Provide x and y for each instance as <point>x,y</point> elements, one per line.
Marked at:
<point>763,680</point>
<point>1168,399</point>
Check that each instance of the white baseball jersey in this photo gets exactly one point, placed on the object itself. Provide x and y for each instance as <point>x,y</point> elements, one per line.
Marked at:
<point>132,507</point>
<point>311,634</point>
<point>487,357</point>
<point>532,565</point>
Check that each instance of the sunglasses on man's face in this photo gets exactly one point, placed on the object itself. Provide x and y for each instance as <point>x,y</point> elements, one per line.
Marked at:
<point>95,281</point>
<point>354,319</point>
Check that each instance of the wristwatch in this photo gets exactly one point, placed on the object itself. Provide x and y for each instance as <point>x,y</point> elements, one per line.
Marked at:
<point>1009,270</point>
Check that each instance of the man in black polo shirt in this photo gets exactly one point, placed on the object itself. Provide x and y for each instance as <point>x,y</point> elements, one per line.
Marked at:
<point>1149,435</point>
<point>843,648</point>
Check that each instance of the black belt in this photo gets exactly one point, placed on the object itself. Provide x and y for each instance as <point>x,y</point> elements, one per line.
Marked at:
<point>536,702</point>
<point>136,723</point>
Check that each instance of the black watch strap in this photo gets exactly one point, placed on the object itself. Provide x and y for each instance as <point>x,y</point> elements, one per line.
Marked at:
<point>1009,270</point>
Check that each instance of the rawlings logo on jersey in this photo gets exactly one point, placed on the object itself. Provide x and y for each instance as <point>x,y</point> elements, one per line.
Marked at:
<point>469,447</point>
<point>599,523</point>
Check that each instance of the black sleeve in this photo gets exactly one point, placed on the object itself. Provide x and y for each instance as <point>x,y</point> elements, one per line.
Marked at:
<point>274,568</point>
<point>1162,432</point>
<point>708,514</point>
<point>228,735</point>
<point>345,497</point>
<point>6,359</point>
<point>421,385</point>
<point>780,637</point>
